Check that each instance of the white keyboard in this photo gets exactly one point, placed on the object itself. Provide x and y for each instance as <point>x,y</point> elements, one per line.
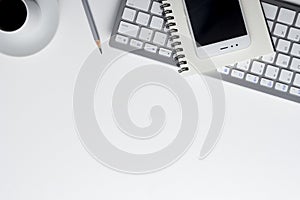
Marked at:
<point>140,29</point>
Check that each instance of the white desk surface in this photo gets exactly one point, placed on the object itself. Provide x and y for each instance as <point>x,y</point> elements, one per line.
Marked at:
<point>41,157</point>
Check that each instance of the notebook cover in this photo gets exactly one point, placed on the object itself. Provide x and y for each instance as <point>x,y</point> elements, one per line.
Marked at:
<point>261,43</point>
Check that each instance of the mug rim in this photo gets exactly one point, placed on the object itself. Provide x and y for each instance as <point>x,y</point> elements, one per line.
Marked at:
<point>23,25</point>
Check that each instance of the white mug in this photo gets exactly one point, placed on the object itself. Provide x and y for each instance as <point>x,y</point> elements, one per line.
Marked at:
<point>37,31</point>
<point>33,14</point>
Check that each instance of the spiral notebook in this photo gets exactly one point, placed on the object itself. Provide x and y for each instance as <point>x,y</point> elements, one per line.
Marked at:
<point>185,49</point>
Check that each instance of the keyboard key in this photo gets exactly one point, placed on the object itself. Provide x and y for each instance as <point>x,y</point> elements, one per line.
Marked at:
<point>269,58</point>
<point>136,44</point>
<point>280,30</point>
<point>251,78</point>
<point>121,39</point>
<point>156,9</point>
<point>139,4</point>
<point>296,50</point>
<point>295,91</point>
<point>270,10</point>
<point>237,74</point>
<point>283,46</point>
<point>156,23</point>
<point>128,29</point>
<point>244,65</point>
<point>266,83</point>
<point>150,48</point>
<point>274,39</point>
<point>295,65</point>
<point>281,87</point>
<point>294,34</point>
<point>257,68</point>
<point>142,19</point>
<point>146,34</point>
<point>165,52</point>
<point>159,38</point>
<point>224,70</point>
<point>286,76</point>
<point>283,60</point>
<point>169,44</point>
<point>270,25</point>
<point>129,14</point>
<point>298,21</point>
<point>272,72</point>
<point>286,16</point>
<point>297,80</point>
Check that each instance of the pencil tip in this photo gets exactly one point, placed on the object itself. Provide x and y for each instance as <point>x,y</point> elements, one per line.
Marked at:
<point>98,42</point>
<point>100,50</point>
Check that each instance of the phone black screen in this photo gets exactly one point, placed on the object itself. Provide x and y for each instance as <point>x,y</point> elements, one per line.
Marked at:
<point>215,20</point>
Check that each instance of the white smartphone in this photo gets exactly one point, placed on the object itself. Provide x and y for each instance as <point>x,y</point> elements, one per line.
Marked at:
<point>217,26</point>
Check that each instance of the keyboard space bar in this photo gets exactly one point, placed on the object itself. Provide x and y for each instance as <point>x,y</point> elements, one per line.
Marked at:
<point>139,4</point>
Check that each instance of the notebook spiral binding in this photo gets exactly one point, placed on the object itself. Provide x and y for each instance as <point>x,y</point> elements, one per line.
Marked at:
<point>178,51</point>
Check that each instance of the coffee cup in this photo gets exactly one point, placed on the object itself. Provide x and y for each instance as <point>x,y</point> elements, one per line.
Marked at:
<point>18,14</point>
<point>27,26</point>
